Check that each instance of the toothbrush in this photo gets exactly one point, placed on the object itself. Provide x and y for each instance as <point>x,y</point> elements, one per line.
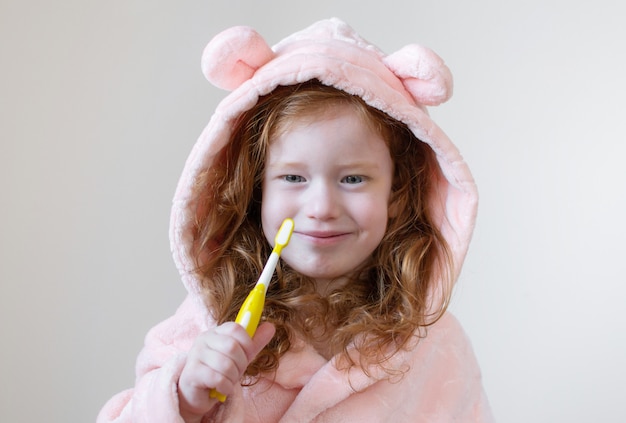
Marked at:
<point>250,312</point>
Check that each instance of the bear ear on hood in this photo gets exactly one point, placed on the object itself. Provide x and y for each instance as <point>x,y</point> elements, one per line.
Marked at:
<point>233,56</point>
<point>423,74</point>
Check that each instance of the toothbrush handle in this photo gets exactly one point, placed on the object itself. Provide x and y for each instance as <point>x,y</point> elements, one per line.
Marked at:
<point>250,312</point>
<point>248,317</point>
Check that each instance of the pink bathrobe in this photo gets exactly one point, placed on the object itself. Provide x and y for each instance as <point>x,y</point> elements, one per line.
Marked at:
<point>441,379</point>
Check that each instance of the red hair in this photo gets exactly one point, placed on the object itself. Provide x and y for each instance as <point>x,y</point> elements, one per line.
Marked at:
<point>390,299</point>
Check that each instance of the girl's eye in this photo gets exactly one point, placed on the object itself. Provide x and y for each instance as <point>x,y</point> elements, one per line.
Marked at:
<point>352,179</point>
<point>293,178</point>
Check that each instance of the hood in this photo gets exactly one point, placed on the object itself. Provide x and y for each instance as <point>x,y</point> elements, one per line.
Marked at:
<point>401,84</point>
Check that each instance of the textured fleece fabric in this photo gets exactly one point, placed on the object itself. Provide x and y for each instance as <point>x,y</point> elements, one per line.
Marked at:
<point>441,379</point>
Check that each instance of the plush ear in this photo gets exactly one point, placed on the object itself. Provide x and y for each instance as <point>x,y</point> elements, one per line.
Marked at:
<point>423,74</point>
<point>233,56</point>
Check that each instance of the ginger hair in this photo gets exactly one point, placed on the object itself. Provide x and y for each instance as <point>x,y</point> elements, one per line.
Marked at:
<point>389,301</point>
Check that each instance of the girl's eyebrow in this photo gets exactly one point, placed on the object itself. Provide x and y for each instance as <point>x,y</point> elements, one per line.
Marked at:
<point>281,164</point>
<point>360,164</point>
<point>346,164</point>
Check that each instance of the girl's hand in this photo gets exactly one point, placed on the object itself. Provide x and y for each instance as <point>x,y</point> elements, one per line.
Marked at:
<point>218,359</point>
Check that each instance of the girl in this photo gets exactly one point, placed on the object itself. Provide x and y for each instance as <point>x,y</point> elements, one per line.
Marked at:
<point>326,129</point>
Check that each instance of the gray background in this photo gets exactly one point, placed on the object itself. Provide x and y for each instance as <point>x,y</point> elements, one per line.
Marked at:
<point>101,102</point>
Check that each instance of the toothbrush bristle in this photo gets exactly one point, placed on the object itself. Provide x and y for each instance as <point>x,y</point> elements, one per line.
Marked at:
<point>285,231</point>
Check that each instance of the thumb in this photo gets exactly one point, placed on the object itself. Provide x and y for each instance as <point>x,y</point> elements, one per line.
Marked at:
<point>262,337</point>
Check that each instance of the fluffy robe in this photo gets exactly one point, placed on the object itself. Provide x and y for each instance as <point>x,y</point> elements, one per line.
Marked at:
<point>442,384</point>
<point>441,379</point>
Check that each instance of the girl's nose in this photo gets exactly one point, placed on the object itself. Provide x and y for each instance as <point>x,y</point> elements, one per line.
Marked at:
<point>322,202</point>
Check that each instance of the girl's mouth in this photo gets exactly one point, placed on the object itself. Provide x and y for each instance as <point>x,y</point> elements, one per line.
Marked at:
<point>322,238</point>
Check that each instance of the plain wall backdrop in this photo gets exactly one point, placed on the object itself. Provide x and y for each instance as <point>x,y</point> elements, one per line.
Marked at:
<point>101,101</point>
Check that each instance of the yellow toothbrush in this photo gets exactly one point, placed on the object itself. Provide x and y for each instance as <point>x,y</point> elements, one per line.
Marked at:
<point>250,312</point>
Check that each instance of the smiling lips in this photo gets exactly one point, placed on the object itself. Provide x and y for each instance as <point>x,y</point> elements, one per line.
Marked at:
<point>324,237</point>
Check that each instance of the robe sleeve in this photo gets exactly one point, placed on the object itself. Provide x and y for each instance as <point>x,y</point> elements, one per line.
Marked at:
<point>159,365</point>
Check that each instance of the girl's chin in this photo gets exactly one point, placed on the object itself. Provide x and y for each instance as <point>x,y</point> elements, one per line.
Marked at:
<point>323,269</point>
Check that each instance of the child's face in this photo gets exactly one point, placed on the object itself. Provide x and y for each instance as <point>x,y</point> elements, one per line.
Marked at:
<point>333,177</point>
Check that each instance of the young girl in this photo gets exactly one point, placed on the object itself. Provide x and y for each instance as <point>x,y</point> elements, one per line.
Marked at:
<point>327,130</point>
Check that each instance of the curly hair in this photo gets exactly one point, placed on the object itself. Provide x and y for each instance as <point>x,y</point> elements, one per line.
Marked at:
<point>383,307</point>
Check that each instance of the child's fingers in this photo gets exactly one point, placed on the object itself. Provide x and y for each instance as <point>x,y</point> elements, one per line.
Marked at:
<point>221,356</point>
<point>219,368</point>
<point>230,340</point>
<point>222,352</point>
<point>203,378</point>
<point>264,334</point>
<point>218,360</point>
<point>250,347</point>
<point>226,374</point>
